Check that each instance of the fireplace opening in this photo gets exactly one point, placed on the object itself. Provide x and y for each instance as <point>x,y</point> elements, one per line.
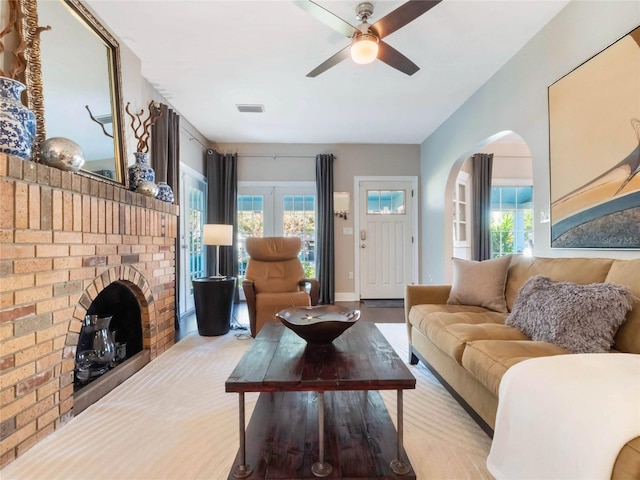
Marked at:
<point>110,335</point>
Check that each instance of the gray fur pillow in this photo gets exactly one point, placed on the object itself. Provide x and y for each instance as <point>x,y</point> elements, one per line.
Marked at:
<point>580,318</point>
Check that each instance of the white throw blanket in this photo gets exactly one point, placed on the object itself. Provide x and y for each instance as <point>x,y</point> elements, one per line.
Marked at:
<point>566,416</point>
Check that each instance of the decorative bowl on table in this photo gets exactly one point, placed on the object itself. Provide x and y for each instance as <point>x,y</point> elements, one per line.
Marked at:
<point>319,325</point>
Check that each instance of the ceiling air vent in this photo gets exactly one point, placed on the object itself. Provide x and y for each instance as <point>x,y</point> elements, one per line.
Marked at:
<point>250,108</point>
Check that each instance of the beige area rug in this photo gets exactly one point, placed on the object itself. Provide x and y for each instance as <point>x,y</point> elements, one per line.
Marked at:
<point>173,420</point>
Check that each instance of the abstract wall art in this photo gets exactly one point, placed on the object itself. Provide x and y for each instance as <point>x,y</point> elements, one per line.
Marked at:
<point>594,150</point>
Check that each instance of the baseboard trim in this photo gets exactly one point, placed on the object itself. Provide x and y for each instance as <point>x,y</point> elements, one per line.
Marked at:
<point>347,297</point>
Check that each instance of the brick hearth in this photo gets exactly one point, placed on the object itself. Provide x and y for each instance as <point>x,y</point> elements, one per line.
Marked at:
<point>63,238</point>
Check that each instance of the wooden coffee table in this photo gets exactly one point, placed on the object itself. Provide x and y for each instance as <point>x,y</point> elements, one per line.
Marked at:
<point>319,413</point>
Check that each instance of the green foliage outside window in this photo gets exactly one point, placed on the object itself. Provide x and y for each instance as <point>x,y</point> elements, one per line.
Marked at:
<point>511,220</point>
<point>501,234</point>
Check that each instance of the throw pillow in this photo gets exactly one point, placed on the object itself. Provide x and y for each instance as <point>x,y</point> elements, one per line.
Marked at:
<point>580,318</point>
<point>480,283</point>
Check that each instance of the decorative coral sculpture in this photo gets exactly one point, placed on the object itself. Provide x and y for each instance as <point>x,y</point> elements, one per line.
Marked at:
<point>142,128</point>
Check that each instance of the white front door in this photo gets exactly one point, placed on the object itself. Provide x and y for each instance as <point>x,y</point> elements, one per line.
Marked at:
<point>385,236</point>
<point>193,214</point>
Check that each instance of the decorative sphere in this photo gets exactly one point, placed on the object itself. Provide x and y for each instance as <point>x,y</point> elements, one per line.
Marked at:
<point>62,153</point>
<point>148,188</point>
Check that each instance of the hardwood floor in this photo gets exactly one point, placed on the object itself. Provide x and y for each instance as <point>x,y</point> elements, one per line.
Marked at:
<point>240,315</point>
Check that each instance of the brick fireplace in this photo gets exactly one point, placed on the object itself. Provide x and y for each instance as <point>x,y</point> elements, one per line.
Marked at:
<point>64,238</point>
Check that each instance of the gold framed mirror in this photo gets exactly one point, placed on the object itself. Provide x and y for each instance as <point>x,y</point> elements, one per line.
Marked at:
<point>74,84</point>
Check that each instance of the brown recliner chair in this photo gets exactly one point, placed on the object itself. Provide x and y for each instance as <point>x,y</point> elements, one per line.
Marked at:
<point>274,279</point>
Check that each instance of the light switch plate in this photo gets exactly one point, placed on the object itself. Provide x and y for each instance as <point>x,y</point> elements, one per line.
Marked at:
<point>347,231</point>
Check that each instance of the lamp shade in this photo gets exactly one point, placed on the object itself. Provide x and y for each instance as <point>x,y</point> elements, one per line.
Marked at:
<point>217,234</point>
<point>364,48</point>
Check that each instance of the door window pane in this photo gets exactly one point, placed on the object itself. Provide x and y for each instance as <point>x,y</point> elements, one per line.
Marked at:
<point>196,221</point>
<point>298,220</point>
<point>385,202</point>
<point>460,212</point>
<point>250,224</point>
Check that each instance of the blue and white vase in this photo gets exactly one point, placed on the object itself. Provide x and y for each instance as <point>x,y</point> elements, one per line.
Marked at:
<point>17,122</point>
<point>140,171</point>
<point>165,193</point>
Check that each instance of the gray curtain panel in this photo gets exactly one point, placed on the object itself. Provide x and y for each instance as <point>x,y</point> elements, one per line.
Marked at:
<point>481,218</point>
<point>222,206</point>
<point>325,249</point>
<point>165,160</point>
<point>165,149</point>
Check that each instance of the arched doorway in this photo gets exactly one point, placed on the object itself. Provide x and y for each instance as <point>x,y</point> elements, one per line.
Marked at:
<point>511,203</point>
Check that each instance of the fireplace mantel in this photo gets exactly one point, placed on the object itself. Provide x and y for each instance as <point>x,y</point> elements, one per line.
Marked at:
<point>63,238</point>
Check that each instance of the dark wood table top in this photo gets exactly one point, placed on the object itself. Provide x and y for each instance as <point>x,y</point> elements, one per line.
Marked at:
<point>360,359</point>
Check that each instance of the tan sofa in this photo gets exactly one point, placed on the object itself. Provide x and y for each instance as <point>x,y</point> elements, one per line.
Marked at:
<point>469,348</point>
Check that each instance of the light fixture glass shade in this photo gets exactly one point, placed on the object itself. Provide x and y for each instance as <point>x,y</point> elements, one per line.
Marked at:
<point>217,234</point>
<point>364,48</point>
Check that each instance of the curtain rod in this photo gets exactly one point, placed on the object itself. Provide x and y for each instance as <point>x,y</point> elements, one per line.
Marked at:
<point>193,138</point>
<point>274,156</point>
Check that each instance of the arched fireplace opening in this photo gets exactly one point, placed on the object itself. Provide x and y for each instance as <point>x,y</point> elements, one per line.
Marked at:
<point>117,301</point>
<point>124,337</point>
<point>113,321</point>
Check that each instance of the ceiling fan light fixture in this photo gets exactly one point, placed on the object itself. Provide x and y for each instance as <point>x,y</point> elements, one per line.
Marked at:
<point>364,48</point>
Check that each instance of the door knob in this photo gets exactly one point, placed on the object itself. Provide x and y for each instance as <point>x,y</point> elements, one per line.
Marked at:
<point>363,245</point>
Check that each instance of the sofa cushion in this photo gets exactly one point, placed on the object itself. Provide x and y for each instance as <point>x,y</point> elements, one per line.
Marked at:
<point>488,360</point>
<point>480,283</point>
<point>419,315</point>
<point>580,318</point>
<point>577,270</point>
<point>450,318</point>
<point>452,339</point>
<point>627,272</point>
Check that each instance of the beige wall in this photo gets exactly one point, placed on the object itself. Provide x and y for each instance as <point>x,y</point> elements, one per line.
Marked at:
<point>296,162</point>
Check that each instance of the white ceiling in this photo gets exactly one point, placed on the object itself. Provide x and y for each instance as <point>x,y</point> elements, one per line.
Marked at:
<point>207,56</point>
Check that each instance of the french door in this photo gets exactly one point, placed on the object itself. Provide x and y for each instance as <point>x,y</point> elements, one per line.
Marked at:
<point>193,215</point>
<point>284,209</point>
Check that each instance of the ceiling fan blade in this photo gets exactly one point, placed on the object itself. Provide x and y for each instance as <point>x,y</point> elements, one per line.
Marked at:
<point>327,64</point>
<point>395,59</point>
<point>328,18</point>
<point>402,15</point>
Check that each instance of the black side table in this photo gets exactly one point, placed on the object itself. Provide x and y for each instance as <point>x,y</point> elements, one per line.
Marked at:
<point>214,303</point>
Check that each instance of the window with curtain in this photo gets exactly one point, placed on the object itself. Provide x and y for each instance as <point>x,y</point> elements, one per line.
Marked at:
<point>511,220</point>
<point>288,211</point>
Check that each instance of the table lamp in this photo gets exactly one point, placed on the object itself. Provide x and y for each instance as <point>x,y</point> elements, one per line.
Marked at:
<point>218,234</point>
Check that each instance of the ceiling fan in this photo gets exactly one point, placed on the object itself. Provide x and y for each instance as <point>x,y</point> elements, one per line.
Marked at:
<point>366,40</point>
